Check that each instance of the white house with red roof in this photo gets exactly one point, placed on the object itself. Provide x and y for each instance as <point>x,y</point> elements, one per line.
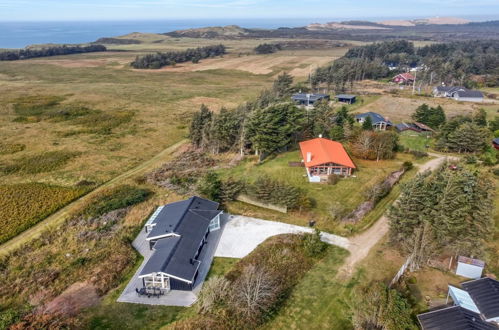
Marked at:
<point>324,157</point>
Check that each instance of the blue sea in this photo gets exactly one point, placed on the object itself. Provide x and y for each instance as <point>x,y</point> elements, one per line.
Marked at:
<point>22,34</point>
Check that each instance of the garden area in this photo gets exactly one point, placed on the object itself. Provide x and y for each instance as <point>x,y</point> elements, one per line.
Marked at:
<point>415,141</point>
<point>330,202</point>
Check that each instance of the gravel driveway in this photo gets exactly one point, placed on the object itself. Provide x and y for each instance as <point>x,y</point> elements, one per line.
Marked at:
<point>243,234</point>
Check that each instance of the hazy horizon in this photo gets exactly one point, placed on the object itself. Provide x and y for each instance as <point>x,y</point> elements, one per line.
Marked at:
<point>125,10</point>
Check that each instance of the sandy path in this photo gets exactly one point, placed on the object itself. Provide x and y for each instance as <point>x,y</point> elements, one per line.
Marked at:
<point>361,244</point>
<point>63,214</point>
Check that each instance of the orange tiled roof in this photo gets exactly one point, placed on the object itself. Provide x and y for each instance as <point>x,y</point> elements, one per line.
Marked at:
<point>325,151</point>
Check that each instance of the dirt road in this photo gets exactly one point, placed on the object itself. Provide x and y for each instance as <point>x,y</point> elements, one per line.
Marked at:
<point>61,215</point>
<point>361,244</point>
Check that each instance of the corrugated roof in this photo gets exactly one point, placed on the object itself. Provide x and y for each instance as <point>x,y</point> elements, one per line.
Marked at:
<point>455,318</point>
<point>485,294</point>
<point>325,151</point>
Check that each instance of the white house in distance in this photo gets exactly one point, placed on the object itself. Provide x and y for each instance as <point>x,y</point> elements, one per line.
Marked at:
<point>458,93</point>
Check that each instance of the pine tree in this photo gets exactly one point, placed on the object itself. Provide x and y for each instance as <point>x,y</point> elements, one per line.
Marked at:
<point>199,121</point>
<point>282,85</point>
<point>274,128</point>
<point>367,125</point>
<point>468,137</point>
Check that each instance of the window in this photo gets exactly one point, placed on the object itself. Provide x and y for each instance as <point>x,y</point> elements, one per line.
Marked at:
<point>215,223</point>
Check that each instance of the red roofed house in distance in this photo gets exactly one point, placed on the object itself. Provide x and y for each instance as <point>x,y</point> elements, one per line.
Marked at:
<point>323,157</point>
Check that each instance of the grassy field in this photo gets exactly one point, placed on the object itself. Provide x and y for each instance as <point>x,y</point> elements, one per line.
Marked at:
<point>90,117</point>
<point>319,301</point>
<point>415,141</point>
<point>331,200</point>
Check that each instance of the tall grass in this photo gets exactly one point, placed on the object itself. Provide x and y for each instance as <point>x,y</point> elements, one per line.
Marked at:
<point>23,205</point>
<point>40,163</point>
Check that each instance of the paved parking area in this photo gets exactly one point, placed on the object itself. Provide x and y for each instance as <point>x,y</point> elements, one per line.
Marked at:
<point>243,234</point>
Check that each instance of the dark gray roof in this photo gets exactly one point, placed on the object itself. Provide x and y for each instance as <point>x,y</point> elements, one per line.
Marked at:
<point>375,117</point>
<point>450,89</point>
<point>485,294</point>
<point>496,140</point>
<point>189,221</point>
<point>345,96</point>
<point>405,126</point>
<point>307,97</point>
<point>455,318</point>
<point>469,93</point>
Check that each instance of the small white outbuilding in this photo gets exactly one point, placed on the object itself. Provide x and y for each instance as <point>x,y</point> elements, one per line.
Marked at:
<point>470,268</point>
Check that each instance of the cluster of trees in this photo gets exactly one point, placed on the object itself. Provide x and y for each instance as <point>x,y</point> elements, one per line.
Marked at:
<point>271,124</point>
<point>264,189</point>
<point>343,72</point>
<point>445,211</point>
<point>267,48</point>
<point>268,124</point>
<point>26,53</point>
<point>465,134</point>
<point>430,116</point>
<point>159,60</point>
<point>374,145</point>
<point>380,307</point>
<point>452,63</point>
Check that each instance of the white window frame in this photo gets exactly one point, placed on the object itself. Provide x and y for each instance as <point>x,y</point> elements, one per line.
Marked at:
<point>214,223</point>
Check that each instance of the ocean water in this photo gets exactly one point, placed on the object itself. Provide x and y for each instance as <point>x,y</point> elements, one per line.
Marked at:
<point>22,34</point>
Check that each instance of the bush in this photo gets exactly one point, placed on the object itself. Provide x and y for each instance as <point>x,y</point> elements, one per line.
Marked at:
<point>333,179</point>
<point>11,148</point>
<point>407,166</point>
<point>470,159</point>
<point>116,198</point>
<point>313,245</point>
<point>418,154</point>
<point>44,162</point>
<point>211,186</point>
<point>268,190</point>
<point>496,171</point>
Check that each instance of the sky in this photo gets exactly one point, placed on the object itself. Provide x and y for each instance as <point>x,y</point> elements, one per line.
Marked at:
<point>65,10</point>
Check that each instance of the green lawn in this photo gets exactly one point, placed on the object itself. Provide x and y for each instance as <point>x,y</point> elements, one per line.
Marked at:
<point>343,197</point>
<point>319,301</point>
<point>415,141</point>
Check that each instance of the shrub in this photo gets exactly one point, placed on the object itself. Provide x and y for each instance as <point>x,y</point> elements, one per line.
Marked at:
<point>11,148</point>
<point>407,166</point>
<point>470,159</point>
<point>313,245</point>
<point>496,171</point>
<point>44,162</point>
<point>268,190</point>
<point>333,179</point>
<point>418,154</point>
<point>116,198</point>
<point>211,186</point>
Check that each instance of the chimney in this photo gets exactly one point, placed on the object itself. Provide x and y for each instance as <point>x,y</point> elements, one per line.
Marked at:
<point>309,157</point>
